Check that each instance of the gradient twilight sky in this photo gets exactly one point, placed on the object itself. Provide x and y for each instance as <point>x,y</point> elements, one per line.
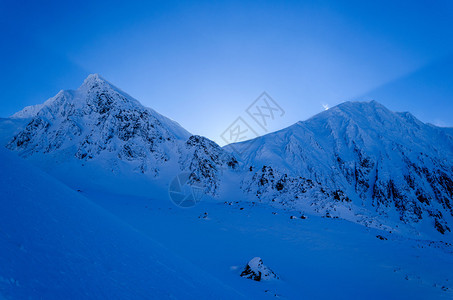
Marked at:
<point>202,63</point>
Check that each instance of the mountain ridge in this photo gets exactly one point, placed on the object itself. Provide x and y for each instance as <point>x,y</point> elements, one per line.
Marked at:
<point>358,160</point>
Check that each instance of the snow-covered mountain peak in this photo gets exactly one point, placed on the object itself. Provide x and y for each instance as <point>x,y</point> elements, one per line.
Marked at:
<point>105,93</point>
<point>99,123</point>
<point>99,120</point>
<point>371,110</point>
<point>95,80</point>
<point>95,92</point>
<point>387,162</point>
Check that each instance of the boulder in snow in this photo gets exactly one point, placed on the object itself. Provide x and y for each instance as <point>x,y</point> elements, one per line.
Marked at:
<point>256,270</point>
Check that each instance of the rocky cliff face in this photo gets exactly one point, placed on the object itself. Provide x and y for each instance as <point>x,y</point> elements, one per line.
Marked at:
<point>206,161</point>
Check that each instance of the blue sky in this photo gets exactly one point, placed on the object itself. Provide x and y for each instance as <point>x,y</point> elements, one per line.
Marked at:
<point>202,63</point>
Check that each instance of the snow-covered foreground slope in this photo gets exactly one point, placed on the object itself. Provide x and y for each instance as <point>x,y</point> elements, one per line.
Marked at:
<point>56,244</point>
<point>314,258</point>
<point>361,162</point>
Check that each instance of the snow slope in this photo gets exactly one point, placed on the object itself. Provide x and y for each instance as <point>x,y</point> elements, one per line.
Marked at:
<point>56,244</point>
